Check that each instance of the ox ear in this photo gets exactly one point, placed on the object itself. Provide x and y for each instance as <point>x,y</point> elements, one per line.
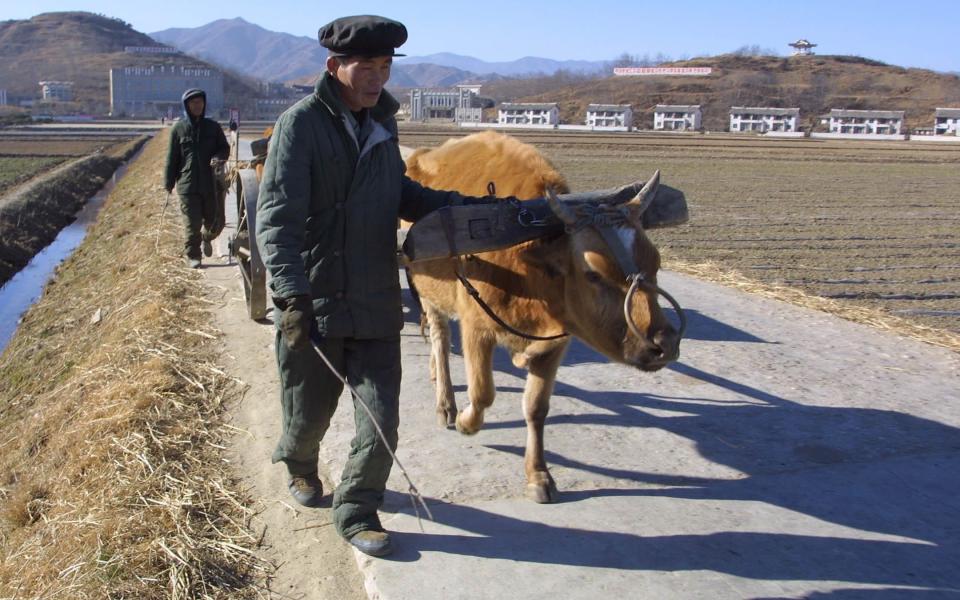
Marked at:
<point>644,198</point>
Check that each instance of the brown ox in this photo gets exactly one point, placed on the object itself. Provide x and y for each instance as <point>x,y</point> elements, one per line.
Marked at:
<point>570,283</point>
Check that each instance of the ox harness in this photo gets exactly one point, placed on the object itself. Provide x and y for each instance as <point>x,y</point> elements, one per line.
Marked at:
<point>447,222</point>
<point>604,218</point>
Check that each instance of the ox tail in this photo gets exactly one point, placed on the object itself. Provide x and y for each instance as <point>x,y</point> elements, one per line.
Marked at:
<point>415,295</point>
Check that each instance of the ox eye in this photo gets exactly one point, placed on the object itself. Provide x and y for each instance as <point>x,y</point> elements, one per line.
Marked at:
<point>593,277</point>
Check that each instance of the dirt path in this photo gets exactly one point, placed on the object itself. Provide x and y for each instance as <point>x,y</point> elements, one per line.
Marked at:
<point>312,561</point>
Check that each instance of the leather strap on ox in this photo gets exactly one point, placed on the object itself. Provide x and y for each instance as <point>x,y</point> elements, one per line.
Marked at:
<point>605,219</point>
<point>446,221</point>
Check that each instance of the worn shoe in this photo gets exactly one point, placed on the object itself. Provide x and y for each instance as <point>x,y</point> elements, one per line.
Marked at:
<point>193,263</point>
<point>207,248</point>
<point>306,489</point>
<point>372,543</point>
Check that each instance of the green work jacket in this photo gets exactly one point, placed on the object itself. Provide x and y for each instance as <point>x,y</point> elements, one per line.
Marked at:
<point>192,145</point>
<point>327,212</point>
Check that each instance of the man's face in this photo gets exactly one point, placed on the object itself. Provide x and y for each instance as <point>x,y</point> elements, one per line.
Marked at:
<point>361,79</point>
<point>195,106</point>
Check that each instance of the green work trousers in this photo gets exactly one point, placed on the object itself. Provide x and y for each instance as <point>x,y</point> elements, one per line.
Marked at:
<point>202,220</point>
<point>309,392</point>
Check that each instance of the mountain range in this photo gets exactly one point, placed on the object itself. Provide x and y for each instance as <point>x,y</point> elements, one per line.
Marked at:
<point>82,47</point>
<point>249,49</point>
<point>526,66</point>
<point>281,57</point>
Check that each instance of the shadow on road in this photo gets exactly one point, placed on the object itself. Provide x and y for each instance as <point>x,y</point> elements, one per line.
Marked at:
<point>879,472</point>
<point>888,474</point>
<point>753,555</point>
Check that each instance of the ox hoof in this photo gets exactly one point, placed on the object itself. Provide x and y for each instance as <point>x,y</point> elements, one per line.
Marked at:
<point>541,493</point>
<point>447,418</point>
<point>467,425</point>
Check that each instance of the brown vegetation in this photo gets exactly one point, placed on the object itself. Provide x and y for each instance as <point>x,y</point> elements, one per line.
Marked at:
<point>111,481</point>
<point>815,84</point>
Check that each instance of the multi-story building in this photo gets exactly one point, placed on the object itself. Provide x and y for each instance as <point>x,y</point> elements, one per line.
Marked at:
<point>677,117</point>
<point>762,119</point>
<point>604,116</point>
<point>269,109</point>
<point>57,91</point>
<point>947,121</point>
<point>3,97</point>
<point>528,114</point>
<point>156,90</point>
<point>274,98</point>
<point>866,122</point>
<point>447,104</point>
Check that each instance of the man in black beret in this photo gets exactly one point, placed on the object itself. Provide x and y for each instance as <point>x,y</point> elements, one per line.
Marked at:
<point>333,187</point>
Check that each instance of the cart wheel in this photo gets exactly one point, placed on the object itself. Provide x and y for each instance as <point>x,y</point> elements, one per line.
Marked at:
<point>243,246</point>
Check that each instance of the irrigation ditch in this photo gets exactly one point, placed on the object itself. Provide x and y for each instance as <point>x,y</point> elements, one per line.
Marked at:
<point>32,215</point>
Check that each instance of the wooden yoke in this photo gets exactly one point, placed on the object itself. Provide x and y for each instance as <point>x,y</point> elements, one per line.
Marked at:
<point>484,227</point>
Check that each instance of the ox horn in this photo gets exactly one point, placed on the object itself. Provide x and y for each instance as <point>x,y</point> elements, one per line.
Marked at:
<point>561,210</point>
<point>612,196</point>
<point>645,196</point>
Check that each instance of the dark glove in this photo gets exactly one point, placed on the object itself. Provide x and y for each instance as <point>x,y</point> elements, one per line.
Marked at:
<point>296,321</point>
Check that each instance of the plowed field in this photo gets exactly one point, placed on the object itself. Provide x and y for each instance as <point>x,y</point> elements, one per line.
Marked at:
<point>875,224</point>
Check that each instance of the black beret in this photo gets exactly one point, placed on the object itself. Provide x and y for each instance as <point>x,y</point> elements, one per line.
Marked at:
<point>363,35</point>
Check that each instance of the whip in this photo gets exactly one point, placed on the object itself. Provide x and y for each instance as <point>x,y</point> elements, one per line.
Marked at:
<point>414,493</point>
<point>166,201</point>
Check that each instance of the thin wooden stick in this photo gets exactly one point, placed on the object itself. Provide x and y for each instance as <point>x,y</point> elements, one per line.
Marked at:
<point>414,493</point>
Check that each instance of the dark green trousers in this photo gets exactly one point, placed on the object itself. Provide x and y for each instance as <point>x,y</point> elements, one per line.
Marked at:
<point>202,220</point>
<point>309,393</point>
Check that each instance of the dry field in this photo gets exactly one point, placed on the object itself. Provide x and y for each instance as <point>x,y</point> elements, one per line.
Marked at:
<point>23,156</point>
<point>17,169</point>
<point>55,145</point>
<point>868,225</point>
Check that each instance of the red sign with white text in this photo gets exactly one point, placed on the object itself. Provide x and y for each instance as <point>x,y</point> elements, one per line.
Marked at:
<point>688,71</point>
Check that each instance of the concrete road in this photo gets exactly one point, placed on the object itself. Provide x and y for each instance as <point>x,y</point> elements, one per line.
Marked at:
<point>788,454</point>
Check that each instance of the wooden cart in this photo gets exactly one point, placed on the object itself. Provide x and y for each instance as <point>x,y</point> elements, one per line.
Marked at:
<point>242,244</point>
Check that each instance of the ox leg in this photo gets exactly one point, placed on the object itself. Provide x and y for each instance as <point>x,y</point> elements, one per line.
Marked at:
<point>440,366</point>
<point>478,358</point>
<point>536,404</point>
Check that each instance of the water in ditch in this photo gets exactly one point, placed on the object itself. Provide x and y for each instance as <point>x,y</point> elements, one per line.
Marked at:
<point>24,288</point>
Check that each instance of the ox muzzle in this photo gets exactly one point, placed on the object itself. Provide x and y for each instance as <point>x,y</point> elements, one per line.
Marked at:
<point>662,346</point>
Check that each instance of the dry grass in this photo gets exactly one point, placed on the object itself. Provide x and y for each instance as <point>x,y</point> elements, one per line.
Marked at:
<point>113,482</point>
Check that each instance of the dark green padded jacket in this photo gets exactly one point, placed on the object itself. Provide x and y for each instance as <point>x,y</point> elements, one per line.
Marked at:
<point>327,213</point>
<point>192,145</point>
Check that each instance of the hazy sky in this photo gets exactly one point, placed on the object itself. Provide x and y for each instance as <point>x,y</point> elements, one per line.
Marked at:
<point>914,34</point>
